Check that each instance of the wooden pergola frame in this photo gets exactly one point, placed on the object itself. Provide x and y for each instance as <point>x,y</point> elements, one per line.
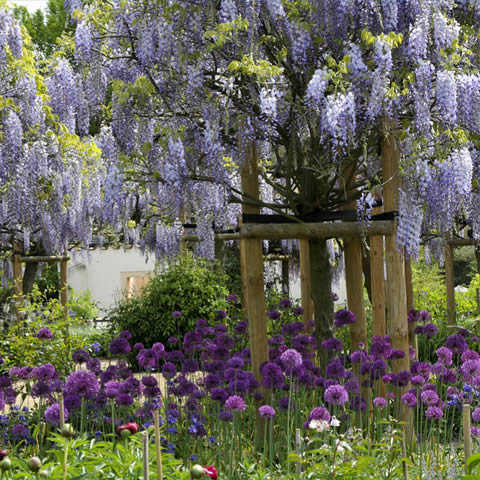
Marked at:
<point>18,259</point>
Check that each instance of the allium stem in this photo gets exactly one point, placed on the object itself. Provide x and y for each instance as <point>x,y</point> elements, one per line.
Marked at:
<point>158,447</point>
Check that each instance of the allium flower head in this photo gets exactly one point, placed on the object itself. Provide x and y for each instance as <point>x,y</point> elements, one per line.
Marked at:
<point>82,383</point>
<point>52,414</point>
<point>379,402</point>
<point>409,399</point>
<point>44,334</point>
<point>336,395</point>
<point>291,359</point>
<point>80,356</point>
<point>445,356</point>
<point>456,343</point>
<point>119,346</point>
<point>344,317</point>
<point>434,413</point>
<point>235,404</point>
<point>176,314</point>
<point>266,411</point>
<point>476,415</point>
<point>319,413</point>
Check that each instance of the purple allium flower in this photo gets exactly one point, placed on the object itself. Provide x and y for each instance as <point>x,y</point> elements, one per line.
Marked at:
<point>475,432</point>
<point>219,395</point>
<point>456,343</point>
<point>417,380</point>
<point>470,368</point>
<point>332,344</point>
<point>40,389</point>
<point>272,375</point>
<point>291,359</point>
<point>82,383</point>
<point>418,330</point>
<point>220,315</point>
<point>284,404</point>
<point>409,399</point>
<point>429,397</point>
<point>412,352</point>
<point>43,373</point>
<point>298,311</point>
<point>169,370</point>
<point>159,348</point>
<point>292,329</point>
<point>72,402</point>
<point>276,340</point>
<point>396,354</point>
<point>273,314</point>
<point>176,314</point>
<point>190,365</point>
<point>94,365</point>
<point>476,415</point>
<point>126,335</point>
<point>343,317</point>
<point>352,386</point>
<point>319,413</point>
<point>285,303</point>
<point>52,414</point>
<point>147,359</point>
<point>80,356</point>
<point>402,378</point>
<point>434,413</point>
<point>358,356</point>
<point>445,356</point>
<point>232,299</point>
<point>225,416</point>
<point>335,369</point>
<point>138,346</point>
<point>175,356</point>
<point>430,330</point>
<point>44,334</point>
<point>119,346</point>
<point>379,402</point>
<point>235,404</point>
<point>241,328</point>
<point>20,431</point>
<point>336,395</point>
<point>470,355</point>
<point>123,400</point>
<point>413,316</point>
<point>266,411</point>
<point>424,316</point>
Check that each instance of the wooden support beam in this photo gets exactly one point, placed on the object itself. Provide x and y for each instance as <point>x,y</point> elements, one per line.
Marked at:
<point>450,284</point>
<point>462,242</point>
<point>397,325</point>
<point>279,231</point>
<point>306,282</point>
<point>412,338</point>
<point>354,284</point>
<point>45,259</point>
<point>17,279</point>
<point>251,264</point>
<point>377,275</point>
<point>64,299</point>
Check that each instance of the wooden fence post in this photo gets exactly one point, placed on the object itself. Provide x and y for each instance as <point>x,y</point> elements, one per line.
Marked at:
<point>412,338</point>
<point>306,282</point>
<point>397,324</point>
<point>64,298</point>
<point>467,434</point>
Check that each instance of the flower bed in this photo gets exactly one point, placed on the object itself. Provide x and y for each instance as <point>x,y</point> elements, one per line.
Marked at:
<point>313,424</point>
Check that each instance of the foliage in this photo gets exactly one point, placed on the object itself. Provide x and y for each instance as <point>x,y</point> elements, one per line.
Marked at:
<point>464,265</point>
<point>191,286</point>
<point>21,346</point>
<point>45,29</point>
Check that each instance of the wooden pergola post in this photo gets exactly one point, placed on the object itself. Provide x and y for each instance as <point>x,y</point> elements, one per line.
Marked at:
<point>412,338</point>
<point>251,265</point>
<point>354,284</point>
<point>306,282</point>
<point>377,275</point>
<point>17,279</point>
<point>397,324</point>
<point>450,284</point>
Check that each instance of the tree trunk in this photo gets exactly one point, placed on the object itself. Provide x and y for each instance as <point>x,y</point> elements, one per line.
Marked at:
<point>322,296</point>
<point>29,275</point>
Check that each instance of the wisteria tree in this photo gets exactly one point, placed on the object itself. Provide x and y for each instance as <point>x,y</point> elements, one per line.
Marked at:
<point>50,181</point>
<point>317,84</point>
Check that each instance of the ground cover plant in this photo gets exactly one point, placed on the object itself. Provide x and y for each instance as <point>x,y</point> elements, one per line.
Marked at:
<point>337,423</point>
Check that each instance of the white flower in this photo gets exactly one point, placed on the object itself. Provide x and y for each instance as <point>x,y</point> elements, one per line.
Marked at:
<point>318,425</point>
<point>334,422</point>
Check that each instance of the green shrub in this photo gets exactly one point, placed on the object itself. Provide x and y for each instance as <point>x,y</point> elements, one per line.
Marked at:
<point>191,286</point>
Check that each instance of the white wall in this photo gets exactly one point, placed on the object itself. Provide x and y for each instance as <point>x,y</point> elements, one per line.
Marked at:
<point>100,271</point>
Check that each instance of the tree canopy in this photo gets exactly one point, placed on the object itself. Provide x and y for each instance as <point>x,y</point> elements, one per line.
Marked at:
<point>317,84</point>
